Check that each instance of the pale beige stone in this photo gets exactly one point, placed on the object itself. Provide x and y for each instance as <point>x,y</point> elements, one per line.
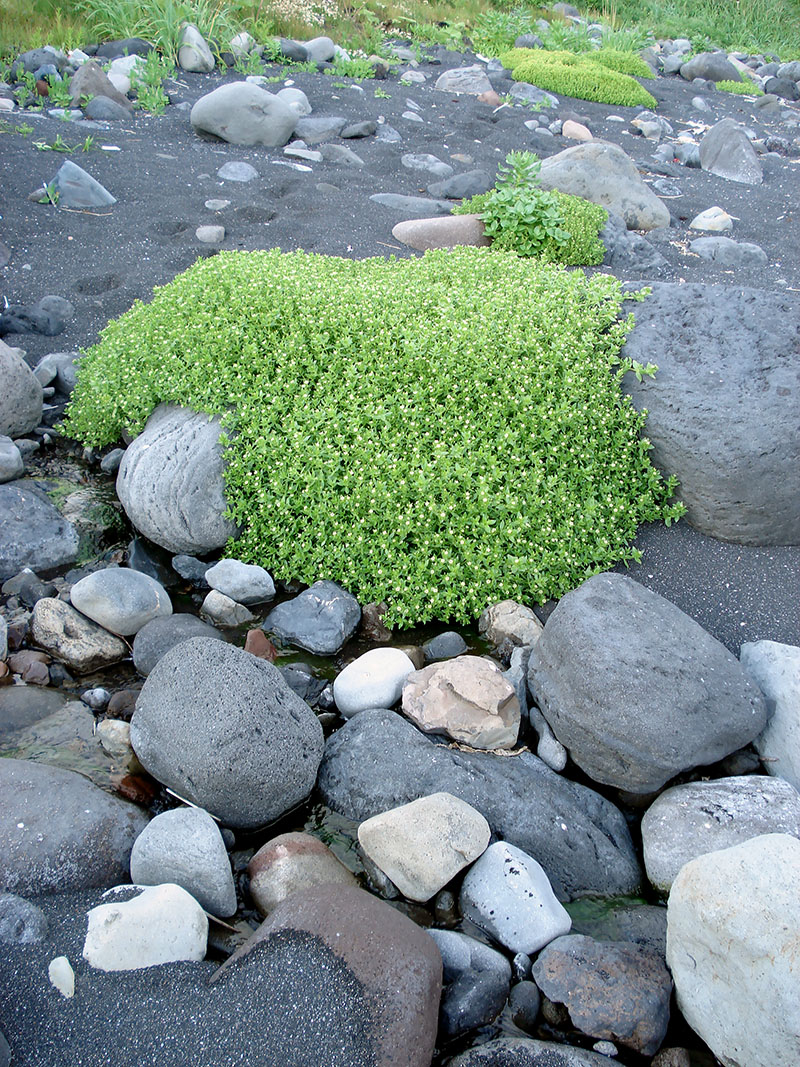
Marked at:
<point>467,699</point>
<point>448,231</point>
<point>72,638</point>
<point>512,622</point>
<point>576,131</point>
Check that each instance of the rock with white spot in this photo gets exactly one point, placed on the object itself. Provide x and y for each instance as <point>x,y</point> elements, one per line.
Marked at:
<point>713,219</point>
<point>698,817</point>
<point>120,599</point>
<point>184,846</point>
<point>732,923</point>
<point>244,582</point>
<point>507,894</point>
<point>467,699</point>
<point>374,680</point>
<point>291,863</point>
<point>421,846</point>
<point>144,926</point>
<point>776,670</point>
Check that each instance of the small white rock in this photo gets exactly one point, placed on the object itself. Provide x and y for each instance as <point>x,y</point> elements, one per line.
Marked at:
<point>224,611</point>
<point>210,235</point>
<point>374,680</point>
<point>62,976</point>
<point>713,219</point>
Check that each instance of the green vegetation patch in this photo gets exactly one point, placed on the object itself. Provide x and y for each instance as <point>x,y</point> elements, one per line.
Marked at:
<point>742,88</point>
<point>621,62</point>
<point>519,216</point>
<point>438,432</point>
<point>578,76</point>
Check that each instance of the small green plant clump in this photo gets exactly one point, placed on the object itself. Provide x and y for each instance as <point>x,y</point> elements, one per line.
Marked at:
<point>398,426</point>
<point>519,216</point>
<point>147,81</point>
<point>742,88</point>
<point>578,76</point>
<point>622,62</point>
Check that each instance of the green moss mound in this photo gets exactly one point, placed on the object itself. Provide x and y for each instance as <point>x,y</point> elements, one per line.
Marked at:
<point>742,88</point>
<point>621,62</point>
<point>439,432</point>
<point>578,76</point>
<point>581,219</point>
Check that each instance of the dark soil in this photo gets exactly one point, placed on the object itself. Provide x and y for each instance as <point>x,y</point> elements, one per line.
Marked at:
<point>163,173</point>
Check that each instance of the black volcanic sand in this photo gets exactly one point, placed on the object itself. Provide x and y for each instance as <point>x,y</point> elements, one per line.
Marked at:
<point>103,260</point>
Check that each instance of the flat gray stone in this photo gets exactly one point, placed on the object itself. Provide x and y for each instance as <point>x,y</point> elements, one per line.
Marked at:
<point>635,689</point>
<point>318,128</point>
<point>378,760</point>
<point>728,253</point>
<point>527,1052</point>
<point>60,832</point>
<point>237,171</point>
<point>224,731</point>
<point>33,532</point>
<point>320,620</point>
<point>471,81</point>
<point>412,207</point>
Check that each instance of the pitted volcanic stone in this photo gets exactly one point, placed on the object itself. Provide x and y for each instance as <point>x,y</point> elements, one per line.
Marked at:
<point>170,482</point>
<point>635,689</point>
<point>223,729</point>
<point>722,409</point>
<point>60,832</point>
<point>378,760</point>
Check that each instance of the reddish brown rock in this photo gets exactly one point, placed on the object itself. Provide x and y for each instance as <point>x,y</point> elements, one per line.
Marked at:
<point>289,864</point>
<point>448,231</point>
<point>258,644</point>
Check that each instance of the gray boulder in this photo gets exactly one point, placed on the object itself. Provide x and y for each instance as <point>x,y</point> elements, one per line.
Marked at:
<point>722,410</point>
<point>59,369</point>
<point>60,832</point>
<point>320,128</point>
<point>12,464</point>
<point>185,847</point>
<point>194,55</point>
<point>728,253</point>
<point>320,620</point>
<point>21,395</point>
<point>243,113</point>
<point>90,80</point>
<point>689,820</point>
<point>170,482</point>
<point>635,689</point>
<point>33,532</point>
<point>470,81</point>
<point>712,66</point>
<point>101,109</point>
<point>462,186</point>
<point>159,635</point>
<point>605,175</point>
<point>21,922</point>
<point>378,760</point>
<point>78,189</point>
<point>120,599</point>
<point>612,990</point>
<point>476,978</point>
<point>629,251</point>
<point>224,730</point>
<point>527,1052</point>
<point>776,670</point>
<point>320,49</point>
<point>726,151</point>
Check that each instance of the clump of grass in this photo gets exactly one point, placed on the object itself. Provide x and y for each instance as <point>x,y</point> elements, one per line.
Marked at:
<point>578,76</point>
<point>622,62</point>
<point>742,88</point>
<point>398,426</point>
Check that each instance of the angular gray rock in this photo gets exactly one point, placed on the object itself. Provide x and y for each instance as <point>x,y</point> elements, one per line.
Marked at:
<point>690,820</point>
<point>11,462</point>
<point>194,55</point>
<point>60,832</point>
<point>379,760</point>
<point>76,188</point>
<point>170,482</point>
<point>72,638</point>
<point>776,670</point>
<point>224,731</point>
<point>635,689</point>
<point>605,175</point>
<point>630,251</point>
<point>242,582</point>
<point>712,66</point>
<point>21,395</point>
<point>726,151</point>
<point>612,990</point>
<point>90,80</point>
<point>120,599</point>
<point>33,532</point>
<point>184,847</point>
<point>243,113</point>
<point>732,925</point>
<point>471,81</point>
<point>320,128</point>
<point>476,981</point>
<point>722,407</point>
<point>320,620</point>
<point>158,636</point>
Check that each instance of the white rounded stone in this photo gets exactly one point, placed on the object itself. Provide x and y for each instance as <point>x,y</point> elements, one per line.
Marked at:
<point>374,680</point>
<point>245,583</point>
<point>120,599</point>
<point>62,976</point>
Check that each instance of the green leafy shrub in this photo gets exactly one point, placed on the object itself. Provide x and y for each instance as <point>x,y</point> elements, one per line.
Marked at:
<point>147,81</point>
<point>743,88</point>
<point>399,426</point>
<point>495,31</point>
<point>622,62</point>
<point>579,76</point>
<point>521,217</point>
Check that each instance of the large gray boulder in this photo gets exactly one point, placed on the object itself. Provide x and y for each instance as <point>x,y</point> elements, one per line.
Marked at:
<point>776,670</point>
<point>243,113</point>
<point>223,729</point>
<point>726,151</point>
<point>713,66</point>
<point>33,532</point>
<point>635,689</point>
<point>170,482</point>
<point>698,817</point>
<point>378,760</point>
<point>21,395</point>
<point>605,175</point>
<point>120,599</point>
<point>722,409</point>
<point>60,832</point>
<point>732,923</point>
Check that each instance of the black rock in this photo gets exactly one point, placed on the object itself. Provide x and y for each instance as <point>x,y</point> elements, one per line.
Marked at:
<point>128,46</point>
